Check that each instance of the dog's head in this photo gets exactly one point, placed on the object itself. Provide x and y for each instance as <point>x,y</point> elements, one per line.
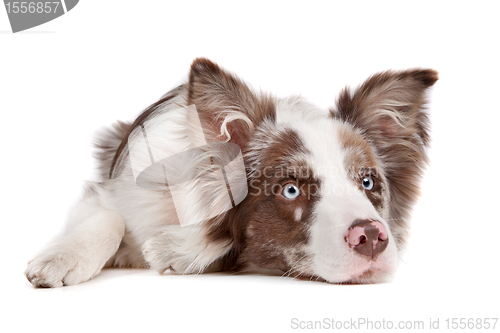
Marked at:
<point>330,191</point>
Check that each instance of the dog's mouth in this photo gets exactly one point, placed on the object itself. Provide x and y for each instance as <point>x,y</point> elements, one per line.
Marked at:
<point>363,277</point>
<point>368,276</point>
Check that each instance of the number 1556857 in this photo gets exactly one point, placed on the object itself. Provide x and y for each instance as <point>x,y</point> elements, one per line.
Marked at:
<point>23,7</point>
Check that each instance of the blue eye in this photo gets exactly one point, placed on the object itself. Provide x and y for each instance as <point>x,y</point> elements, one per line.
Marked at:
<point>368,183</point>
<point>291,191</point>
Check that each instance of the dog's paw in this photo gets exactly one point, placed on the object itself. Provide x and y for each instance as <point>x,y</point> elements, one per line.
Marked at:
<point>182,251</point>
<point>162,256</point>
<point>57,269</point>
<point>160,259</point>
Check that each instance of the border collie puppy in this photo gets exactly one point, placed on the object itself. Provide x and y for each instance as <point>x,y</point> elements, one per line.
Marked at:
<point>324,194</point>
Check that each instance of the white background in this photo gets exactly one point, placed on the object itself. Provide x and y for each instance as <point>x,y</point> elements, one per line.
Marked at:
<point>108,60</point>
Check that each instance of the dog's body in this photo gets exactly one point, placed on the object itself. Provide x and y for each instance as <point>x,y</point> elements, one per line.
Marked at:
<point>330,191</point>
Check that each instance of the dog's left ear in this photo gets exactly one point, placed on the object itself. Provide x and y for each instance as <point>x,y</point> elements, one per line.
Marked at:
<point>389,110</point>
<point>228,108</point>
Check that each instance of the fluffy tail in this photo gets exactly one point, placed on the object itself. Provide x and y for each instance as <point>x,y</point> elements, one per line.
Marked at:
<point>107,141</point>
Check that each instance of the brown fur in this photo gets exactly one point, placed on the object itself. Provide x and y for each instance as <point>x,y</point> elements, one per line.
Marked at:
<point>263,227</point>
<point>361,161</point>
<point>216,93</point>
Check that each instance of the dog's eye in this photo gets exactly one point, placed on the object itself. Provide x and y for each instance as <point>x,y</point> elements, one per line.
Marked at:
<point>368,183</point>
<point>291,191</point>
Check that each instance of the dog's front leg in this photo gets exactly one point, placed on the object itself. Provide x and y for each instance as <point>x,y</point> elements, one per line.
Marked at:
<point>92,237</point>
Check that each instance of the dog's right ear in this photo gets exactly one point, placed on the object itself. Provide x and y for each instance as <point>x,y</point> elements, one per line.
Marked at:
<point>227,107</point>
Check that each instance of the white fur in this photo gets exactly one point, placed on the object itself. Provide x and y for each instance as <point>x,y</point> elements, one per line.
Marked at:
<point>182,250</point>
<point>298,213</point>
<point>120,211</point>
<point>92,237</point>
<point>295,109</point>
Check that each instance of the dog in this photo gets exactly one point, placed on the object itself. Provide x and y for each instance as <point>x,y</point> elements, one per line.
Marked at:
<point>324,194</point>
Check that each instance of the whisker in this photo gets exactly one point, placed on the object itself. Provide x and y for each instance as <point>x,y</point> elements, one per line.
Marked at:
<point>293,267</point>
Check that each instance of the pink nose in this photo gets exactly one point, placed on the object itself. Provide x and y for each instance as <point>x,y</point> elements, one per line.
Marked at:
<point>367,237</point>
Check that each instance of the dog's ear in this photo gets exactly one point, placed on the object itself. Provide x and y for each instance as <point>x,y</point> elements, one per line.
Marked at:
<point>227,107</point>
<point>389,109</point>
